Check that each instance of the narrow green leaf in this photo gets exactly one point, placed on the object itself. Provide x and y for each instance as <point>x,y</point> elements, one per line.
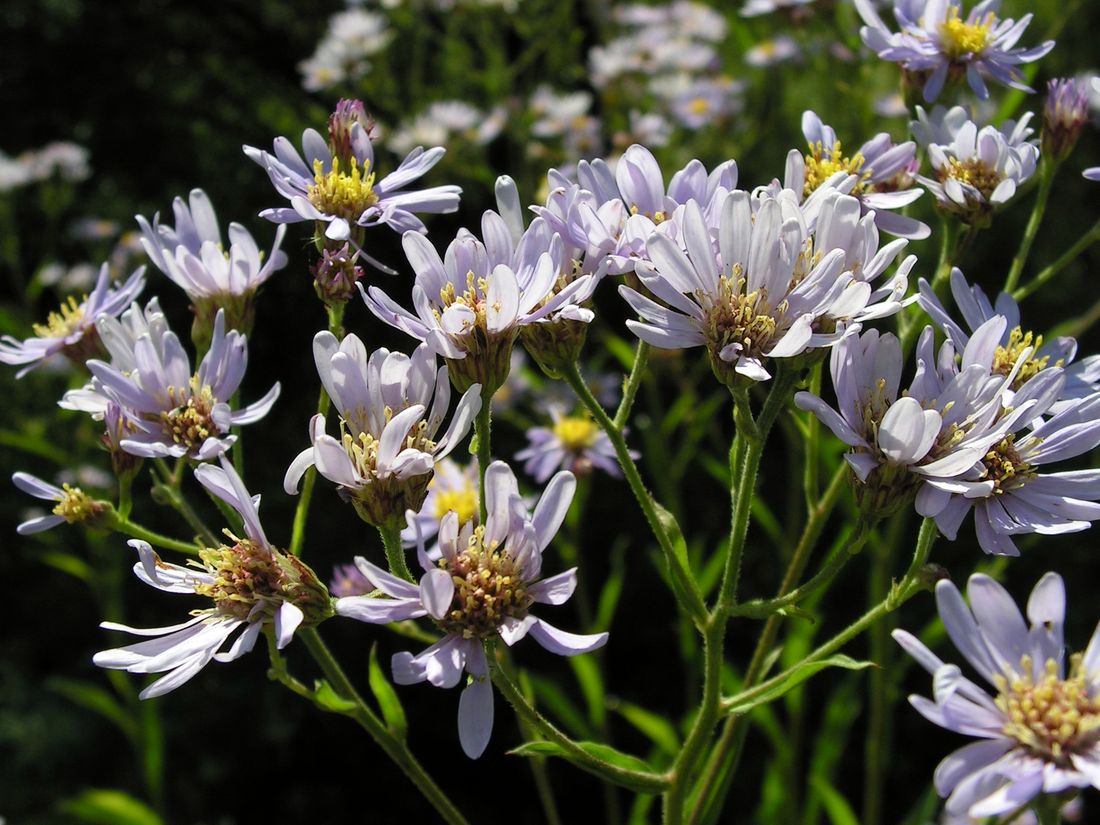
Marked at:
<point>612,589</point>
<point>604,753</point>
<point>659,730</point>
<point>561,707</point>
<point>109,807</point>
<point>383,691</point>
<point>623,352</point>
<point>329,699</point>
<point>836,806</point>
<point>75,567</point>
<point>588,677</point>
<point>796,678</point>
<point>96,699</point>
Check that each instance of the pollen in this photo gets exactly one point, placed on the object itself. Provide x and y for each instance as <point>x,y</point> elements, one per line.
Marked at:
<point>245,575</point>
<point>488,589</point>
<point>974,172</point>
<point>463,502</point>
<point>362,449</point>
<point>190,422</point>
<point>1052,717</point>
<point>738,318</point>
<point>76,506</point>
<point>343,194</point>
<point>959,38</point>
<point>65,321</point>
<point>1006,355</point>
<point>576,432</point>
<point>822,163</point>
<point>1004,466</point>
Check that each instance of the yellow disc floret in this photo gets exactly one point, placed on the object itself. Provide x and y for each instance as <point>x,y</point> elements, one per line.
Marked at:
<point>343,194</point>
<point>1006,355</point>
<point>76,506</point>
<point>824,162</point>
<point>488,589</point>
<point>190,422</point>
<point>463,502</point>
<point>65,321</point>
<point>576,432</point>
<point>959,38</point>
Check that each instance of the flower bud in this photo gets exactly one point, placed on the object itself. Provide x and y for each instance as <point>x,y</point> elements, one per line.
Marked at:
<point>1064,115</point>
<point>335,275</point>
<point>342,129</point>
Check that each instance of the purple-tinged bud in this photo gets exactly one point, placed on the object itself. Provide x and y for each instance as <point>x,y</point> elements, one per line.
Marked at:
<point>341,128</point>
<point>1064,115</point>
<point>335,275</point>
<point>118,427</point>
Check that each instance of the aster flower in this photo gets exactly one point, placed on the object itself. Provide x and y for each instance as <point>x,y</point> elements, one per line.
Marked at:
<point>253,586</point>
<point>772,52</point>
<point>471,304</point>
<point>348,581</point>
<point>336,185</point>
<point>697,102</point>
<point>772,290</point>
<point>71,330</point>
<point>387,448</point>
<point>343,55</point>
<point>192,255</point>
<point>453,488</point>
<point>755,8</point>
<point>1082,378</point>
<point>173,411</point>
<point>883,174</point>
<point>72,504</point>
<point>1037,734</point>
<point>944,424</point>
<point>1064,116</point>
<point>936,45</point>
<point>573,443</point>
<point>977,169</point>
<point>482,588</point>
<point>446,121</point>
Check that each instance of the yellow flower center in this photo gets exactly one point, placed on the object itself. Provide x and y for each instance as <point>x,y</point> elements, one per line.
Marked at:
<point>959,38</point>
<point>699,106</point>
<point>735,317</point>
<point>1005,357</point>
<point>244,575</point>
<point>1051,717</point>
<point>363,448</point>
<point>190,422</point>
<point>822,163</point>
<point>462,501</point>
<point>77,506</point>
<point>343,194</point>
<point>575,432</point>
<point>657,217</point>
<point>1004,467</point>
<point>488,589</point>
<point>64,322</point>
<point>974,172</point>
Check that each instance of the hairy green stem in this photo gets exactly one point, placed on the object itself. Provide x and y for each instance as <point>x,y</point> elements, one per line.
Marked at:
<point>813,438</point>
<point>633,382</point>
<point>1047,170</point>
<point>483,425</point>
<point>394,746</point>
<point>1091,236</point>
<point>121,524</point>
<point>395,552</point>
<point>685,583</point>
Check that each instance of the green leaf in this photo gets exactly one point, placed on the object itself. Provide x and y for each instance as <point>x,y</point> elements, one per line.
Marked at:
<point>795,678</point>
<point>836,806</point>
<point>329,699</point>
<point>612,588</point>
<point>96,699</point>
<point>555,700</point>
<point>78,568</point>
<point>657,728</point>
<point>588,677</point>
<point>623,352</point>
<point>383,691</point>
<point>604,753</point>
<point>109,807</point>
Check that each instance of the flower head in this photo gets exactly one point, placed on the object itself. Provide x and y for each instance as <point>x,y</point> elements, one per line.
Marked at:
<point>388,446</point>
<point>336,184</point>
<point>1040,731</point>
<point>72,329</point>
<point>483,587</point>
<point>453,488</point>
<point>977,169</point>
<point>173,412</point>
<point>72,505</point>
<point>193,256</point>
<point>1064,116</point>
<point>251,586</point>
<point>937,45</point>
<point>772,289</point>
<point>880,174</point>
<point>573,442</point>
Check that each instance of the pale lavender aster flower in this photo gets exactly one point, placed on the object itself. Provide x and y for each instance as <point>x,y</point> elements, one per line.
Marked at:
<point>977,169</point>
<point>880,174</point>
<point>342,56</point>
<point>471,304</point>
<point>936,45</point>
<point>173,411</point>
<point>1038,734</point>
<point>482,587</point>
<point>252,585</point>
<point>1065,114</point>
<point>755,8</point>
<point>573,442</point>
<point>335,185</point>
<point>648,128</point>
<point>446,121</point>
<point>772,52</point>
<point>71,330</point>
<point>940,427</point>
<point>771,289</point>
<point>1082,378</point>
<point>453,489</point>
<point>697,102</point>
<point>193,256</point>
<point>391,407</point>
<point>348,581</point>
<point>72,504</point>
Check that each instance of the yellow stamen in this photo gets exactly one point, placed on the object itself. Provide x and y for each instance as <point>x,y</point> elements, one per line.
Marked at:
<point>576,433</point>
<point>959,38</point>
<point>344,194</point>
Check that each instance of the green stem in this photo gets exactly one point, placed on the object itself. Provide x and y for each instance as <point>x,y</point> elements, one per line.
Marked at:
<point>125,497</point>
<point>1048,809</point>
<point>1084,242</point>
<point>395,552</point>
<point>685,584</point>
<point>813,439</point>
<point>394,747</point>
<point>633,381</point>
<point>483,425</point>
<point>652,782</point>
<point>124,525</point>
<point>1046,181</point>
<point>169,490</point>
